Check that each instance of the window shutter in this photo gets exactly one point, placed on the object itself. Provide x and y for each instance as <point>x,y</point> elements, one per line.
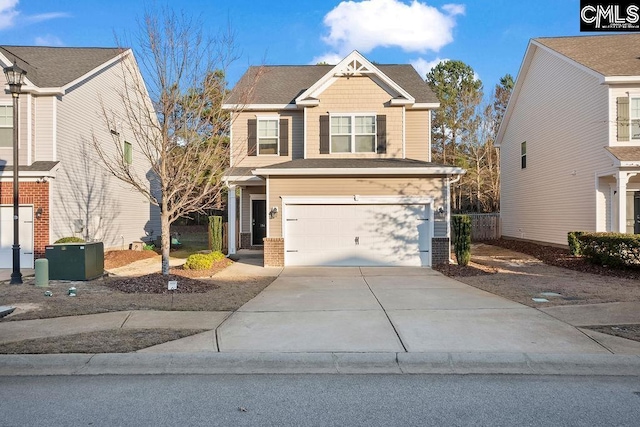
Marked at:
<point>324,135</point>
<point>381,133</point>
<point>252,137</point>
<point>284,137</point>
<point>623,118</point>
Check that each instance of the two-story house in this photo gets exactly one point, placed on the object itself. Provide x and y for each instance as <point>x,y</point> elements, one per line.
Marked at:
<point>333,166</point>
<point>570,139</point>
<point>63,190</point>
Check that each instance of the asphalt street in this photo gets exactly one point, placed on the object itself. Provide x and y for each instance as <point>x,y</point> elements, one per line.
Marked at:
<point>320,400</point>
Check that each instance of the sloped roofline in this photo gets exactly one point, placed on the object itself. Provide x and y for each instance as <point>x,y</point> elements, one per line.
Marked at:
<point>533,46</point>
<point>345,68</point>
<point>30,87</point>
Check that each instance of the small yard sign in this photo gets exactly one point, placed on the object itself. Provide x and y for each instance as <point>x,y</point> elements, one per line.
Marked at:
<point>173,285</point>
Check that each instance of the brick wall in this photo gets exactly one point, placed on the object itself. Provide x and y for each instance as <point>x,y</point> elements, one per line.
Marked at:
<point>245,241</point>
<point>440,248</point>
<point>36,194</point>
<point>274,252</point>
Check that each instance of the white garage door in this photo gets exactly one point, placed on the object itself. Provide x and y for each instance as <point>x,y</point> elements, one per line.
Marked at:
<point>26,236</point>
<point>357,235</point>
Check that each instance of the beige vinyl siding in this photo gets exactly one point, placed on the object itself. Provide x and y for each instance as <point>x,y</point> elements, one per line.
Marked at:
<point>43,128</point>
<point>113,212</point>
<point>355,95</point>
<point>245,207</point>
<point>240,127</point>
<point>348,186</point>
<point>417,134</point>
<point>562,114</point>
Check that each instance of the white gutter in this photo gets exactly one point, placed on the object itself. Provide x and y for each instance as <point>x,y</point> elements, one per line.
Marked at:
<point>29,174</point>
<point>444,170</point>
<point>245,107</point>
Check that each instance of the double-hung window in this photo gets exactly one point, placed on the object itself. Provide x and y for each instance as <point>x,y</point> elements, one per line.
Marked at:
<point>268,135</point>
<point>353,133</point>
<point>634,117</point>
<point>523,155</point>
<point>6,126</point>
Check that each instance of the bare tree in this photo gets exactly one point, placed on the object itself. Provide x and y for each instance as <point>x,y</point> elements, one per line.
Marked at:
<point>176,119</point>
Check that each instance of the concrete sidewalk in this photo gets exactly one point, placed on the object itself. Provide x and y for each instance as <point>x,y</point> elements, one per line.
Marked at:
<point>351,320</point>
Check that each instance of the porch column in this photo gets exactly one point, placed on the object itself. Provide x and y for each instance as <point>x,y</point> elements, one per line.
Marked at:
<point>231,218</point>
<point>621,187</point>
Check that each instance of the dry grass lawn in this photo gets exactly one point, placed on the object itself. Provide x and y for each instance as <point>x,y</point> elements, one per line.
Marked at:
<point>114,341</point>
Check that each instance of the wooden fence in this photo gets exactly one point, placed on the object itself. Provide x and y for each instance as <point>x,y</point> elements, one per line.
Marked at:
<point>485,226</point>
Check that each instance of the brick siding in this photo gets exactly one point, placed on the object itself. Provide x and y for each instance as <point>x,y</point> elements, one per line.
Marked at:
<point>440,248</point>
<point>274,252</point>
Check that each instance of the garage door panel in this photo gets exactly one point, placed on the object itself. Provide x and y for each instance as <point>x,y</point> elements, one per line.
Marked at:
<point>360,235</point>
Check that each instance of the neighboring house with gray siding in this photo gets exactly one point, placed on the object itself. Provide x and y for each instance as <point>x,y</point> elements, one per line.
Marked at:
<point>333,166</point>
<point>570,139</point>
<point>63,189</point>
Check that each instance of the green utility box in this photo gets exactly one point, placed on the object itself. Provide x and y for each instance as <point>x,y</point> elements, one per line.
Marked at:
<point>75,261</point>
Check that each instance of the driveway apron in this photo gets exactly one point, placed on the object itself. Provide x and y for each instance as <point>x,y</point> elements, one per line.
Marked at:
<point>390,309</point>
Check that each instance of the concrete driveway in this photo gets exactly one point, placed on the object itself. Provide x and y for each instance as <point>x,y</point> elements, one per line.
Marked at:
<point>380,309</point>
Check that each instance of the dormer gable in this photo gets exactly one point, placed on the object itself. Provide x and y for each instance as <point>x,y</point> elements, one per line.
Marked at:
<point>354,65</point>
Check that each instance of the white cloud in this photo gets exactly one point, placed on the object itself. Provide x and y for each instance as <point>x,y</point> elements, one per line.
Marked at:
<point>32,19</point>
<point>454,9</point>
<point>7,13</point>
<point>48,40</point>
<point>413,27</point>
<point>423,66</point>
<point>330,58</point>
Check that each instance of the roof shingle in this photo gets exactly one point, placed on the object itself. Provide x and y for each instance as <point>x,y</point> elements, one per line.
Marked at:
<point>609,55</point>
<point>57,66</point>
<point>625,154</point>
<point>282,84</point>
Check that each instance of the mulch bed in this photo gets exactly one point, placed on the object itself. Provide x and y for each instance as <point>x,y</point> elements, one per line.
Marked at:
<point>560,257</point>
<point>473,269</point>
<point>115,259</point>
<point>157,283</point>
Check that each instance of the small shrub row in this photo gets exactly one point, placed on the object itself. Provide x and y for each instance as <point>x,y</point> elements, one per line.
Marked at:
<point>574,242</point>
<point>610,249</point>
<point>202,261</point>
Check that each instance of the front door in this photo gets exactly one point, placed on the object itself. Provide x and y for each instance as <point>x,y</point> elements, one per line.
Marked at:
<point>26,236</point>
<point>258,221</point>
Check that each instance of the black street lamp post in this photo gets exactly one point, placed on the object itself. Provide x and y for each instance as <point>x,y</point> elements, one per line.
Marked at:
<point>15,79</point>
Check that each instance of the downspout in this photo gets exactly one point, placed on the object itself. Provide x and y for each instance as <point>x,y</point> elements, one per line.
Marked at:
<point>448,183</point>
<point>304,135</point>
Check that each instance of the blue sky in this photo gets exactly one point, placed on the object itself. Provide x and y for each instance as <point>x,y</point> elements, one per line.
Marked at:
<point>489,35</point>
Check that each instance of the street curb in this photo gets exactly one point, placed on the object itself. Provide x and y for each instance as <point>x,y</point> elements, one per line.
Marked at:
<point>319,363</point>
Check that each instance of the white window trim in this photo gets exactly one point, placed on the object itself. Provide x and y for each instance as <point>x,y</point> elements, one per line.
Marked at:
<point>353,133</point>
<point>632,96</point>
<point>271,118</point>
<point>4,104</point>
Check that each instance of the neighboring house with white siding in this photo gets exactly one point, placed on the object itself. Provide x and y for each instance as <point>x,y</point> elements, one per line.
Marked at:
<point>63,189</point>
<point>570,139</point>
<point>333,166</point>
